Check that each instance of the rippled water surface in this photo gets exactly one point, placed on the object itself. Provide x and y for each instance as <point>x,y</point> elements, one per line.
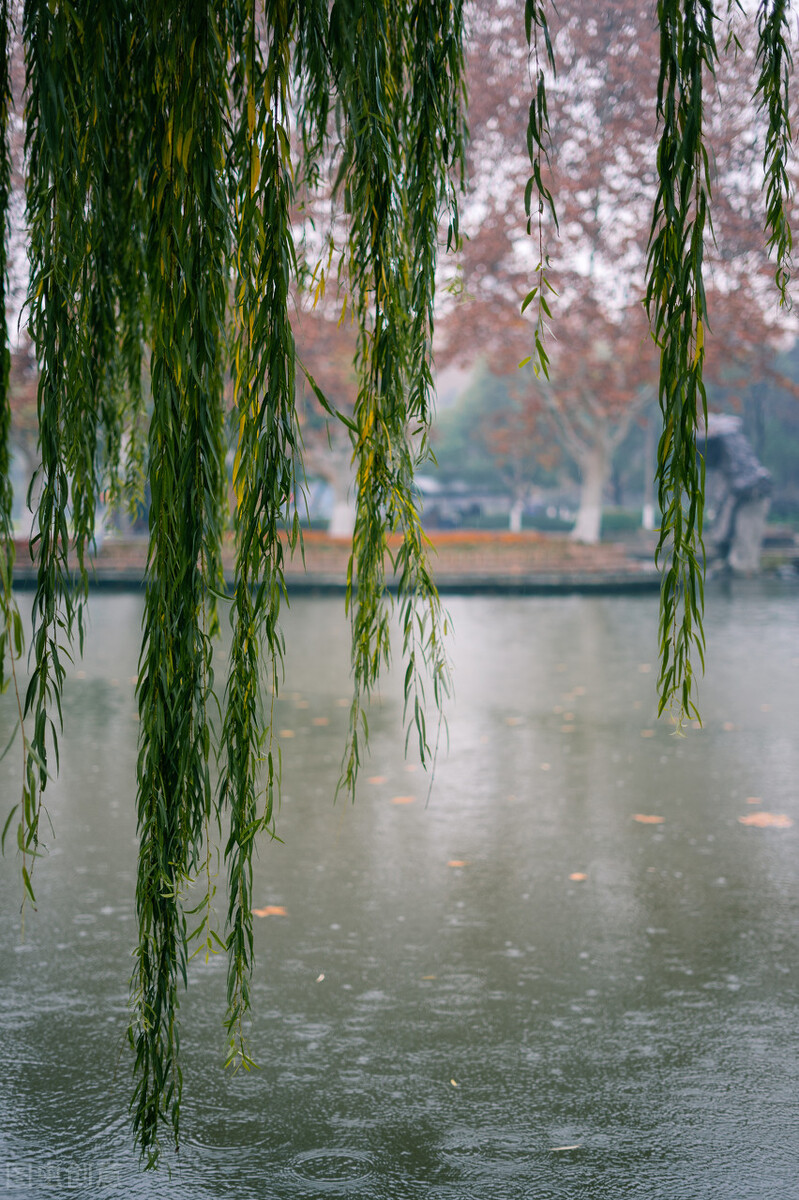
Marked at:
<point>517,990</point>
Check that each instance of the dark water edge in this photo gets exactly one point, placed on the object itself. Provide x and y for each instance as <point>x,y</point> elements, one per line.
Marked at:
<point>489,1029</point>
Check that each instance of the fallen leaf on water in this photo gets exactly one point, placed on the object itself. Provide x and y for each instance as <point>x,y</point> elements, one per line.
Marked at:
<point>403,799</point>
<point>558,709</point>
<point>753,800</point>
<point>647,820</point>
<point>545,767</point>
<point>80,674</point>
<point>302,703</point>
<point>644,668</point>
<point>647,733</point>
<point>557,1149</point>
<point>410,766</point>
<point>320,721</point>
<point>377,779</point>
<point>568,716</point>
<point>578,875</point>
<point>567,729</point>
<point>342,702</point>
<point>453,1082</point>
<point>457,862</point>
<point>319,978</point>
<point>765,708</point>
<point>728,727</point>
<point>766,819</point>
<point>513,720</point>
<point>271,910</point>
<point>287,733</point>
<point>579,691</point>
<point>428,977</point>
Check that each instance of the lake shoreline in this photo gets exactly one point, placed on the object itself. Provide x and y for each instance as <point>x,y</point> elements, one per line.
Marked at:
<point>465,562</point>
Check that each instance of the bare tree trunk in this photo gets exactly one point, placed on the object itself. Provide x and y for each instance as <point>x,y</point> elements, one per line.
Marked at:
<point>594,469</point>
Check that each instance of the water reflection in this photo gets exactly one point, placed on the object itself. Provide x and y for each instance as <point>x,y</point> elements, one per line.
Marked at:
<point>443,1011</point>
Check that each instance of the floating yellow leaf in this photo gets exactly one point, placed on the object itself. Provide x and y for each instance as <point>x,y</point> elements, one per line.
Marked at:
<point>271,910</point>
<point>320,721</point>
<point>546,767</point>
<point>578,876</point>
<point>647,733</point>
<point>342,702</point>
<point>319,978</point>
<point>644,668</point>
<point>457,862</point>
<point>753,800</point>
<point>453,1082</point>
<point>644,819</point>
<point>428,977</point>
<point>513,720</point>
<point>558,1149</point>
<point>302,704</point>
<point>765,820</point>
<point>377,779</point>
<point>287,733</point>
<point>728,727</point>
<point>403,799</point>
<point>410,766</point>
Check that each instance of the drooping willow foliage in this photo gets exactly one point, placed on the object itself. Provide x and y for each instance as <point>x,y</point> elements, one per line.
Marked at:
<point>675,293</point>
<point>167,147</point>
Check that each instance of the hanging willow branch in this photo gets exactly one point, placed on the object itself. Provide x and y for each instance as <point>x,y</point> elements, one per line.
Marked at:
<point>538,198</point>
<point>773,91</point>
<point>399,145</point>
<point>677,309</point>
<point>263,471</point>
<point>187,254</point>
<point>11,640</point>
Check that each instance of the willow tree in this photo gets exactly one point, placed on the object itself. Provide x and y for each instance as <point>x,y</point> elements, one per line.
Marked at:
<point>167,150</point>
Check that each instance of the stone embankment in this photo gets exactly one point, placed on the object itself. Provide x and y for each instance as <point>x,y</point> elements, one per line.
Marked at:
<point>494,561</point>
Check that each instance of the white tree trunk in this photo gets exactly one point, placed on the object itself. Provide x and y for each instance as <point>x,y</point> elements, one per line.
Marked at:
<point>342,518</point>
<point>341,478</point>
<point>516,514</point>
<point>595,470</point>
<point>333,463</point>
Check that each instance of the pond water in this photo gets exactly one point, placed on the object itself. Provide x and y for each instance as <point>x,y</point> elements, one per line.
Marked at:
<point>515,990</point>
